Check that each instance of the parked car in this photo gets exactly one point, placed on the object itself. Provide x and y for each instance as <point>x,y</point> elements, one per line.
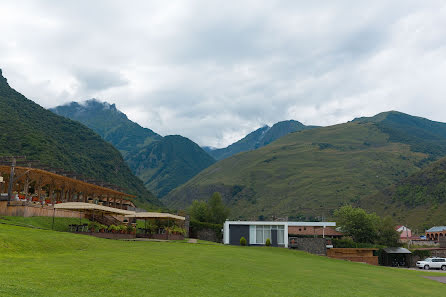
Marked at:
<point>436,263</point>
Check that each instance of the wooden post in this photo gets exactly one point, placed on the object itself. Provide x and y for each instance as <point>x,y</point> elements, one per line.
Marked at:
<point>11,180</point>
<point>50,194</point>
<point>54,212</point>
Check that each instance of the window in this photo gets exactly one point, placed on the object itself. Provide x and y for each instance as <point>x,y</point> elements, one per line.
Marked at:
<point>259,233</point>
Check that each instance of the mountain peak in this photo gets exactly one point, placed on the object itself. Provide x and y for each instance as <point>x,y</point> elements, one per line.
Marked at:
<point>3,79</point>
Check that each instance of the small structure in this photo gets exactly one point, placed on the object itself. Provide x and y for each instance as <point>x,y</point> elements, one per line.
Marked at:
<point>435,233</point>
<point>363,255</point>
<point>396,257</point>
<point>405,232</point>
<point>257,232</point>
<point>160,233</point>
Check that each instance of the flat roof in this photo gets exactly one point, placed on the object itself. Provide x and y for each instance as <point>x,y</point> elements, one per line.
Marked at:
<point>155,215</point>
<point>397,250</point>
<point>80,206</point>
<point>304,224</point>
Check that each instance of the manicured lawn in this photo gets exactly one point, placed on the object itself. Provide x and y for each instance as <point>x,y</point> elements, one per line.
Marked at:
<point>60,224</point>
<point>47,263</point>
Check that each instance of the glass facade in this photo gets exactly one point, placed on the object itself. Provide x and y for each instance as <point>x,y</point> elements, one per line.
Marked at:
<point>258,234</point>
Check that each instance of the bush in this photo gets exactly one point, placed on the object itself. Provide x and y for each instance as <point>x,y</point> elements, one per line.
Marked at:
<point>196,226</point>
<point>242,241</point>
<point>423,254</point>
<point>268,242</point>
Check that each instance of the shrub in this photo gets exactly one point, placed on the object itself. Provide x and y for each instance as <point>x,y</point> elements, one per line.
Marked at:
<point>268,242</point>
<point>243,241</point>
<point>423,254</point>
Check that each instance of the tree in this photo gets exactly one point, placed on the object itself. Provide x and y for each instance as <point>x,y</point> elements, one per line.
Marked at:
<point>199,211</point>
<point>366,227</point>
<point>218,212</point>
<point>212,212</point>
<point>387,234</point>
<point>357,223</point>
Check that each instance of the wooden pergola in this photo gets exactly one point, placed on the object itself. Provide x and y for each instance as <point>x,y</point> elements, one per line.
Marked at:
<point>45,187</point>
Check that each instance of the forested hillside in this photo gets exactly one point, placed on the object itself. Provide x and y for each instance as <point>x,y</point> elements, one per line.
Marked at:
<point>27,129</point>
<point>418,200</point>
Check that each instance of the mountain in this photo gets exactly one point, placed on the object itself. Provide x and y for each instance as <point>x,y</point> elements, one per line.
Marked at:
<point>258,138</point>
<point>163,163</point>
<point>313,172</point>
<point>418,200</point>
<point>27,129</point>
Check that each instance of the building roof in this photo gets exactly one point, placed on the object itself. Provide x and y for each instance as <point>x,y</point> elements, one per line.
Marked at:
<point>303,224</point>
<point>397,250</point>
<point>155,215</point>
<point>437,229</point>
<point>81,206</point>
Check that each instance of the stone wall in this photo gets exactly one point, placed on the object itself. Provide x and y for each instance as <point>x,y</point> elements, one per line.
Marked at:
<point>316,246</point>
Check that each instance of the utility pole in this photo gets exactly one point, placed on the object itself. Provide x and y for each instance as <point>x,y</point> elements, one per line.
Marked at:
<point>11,180</point>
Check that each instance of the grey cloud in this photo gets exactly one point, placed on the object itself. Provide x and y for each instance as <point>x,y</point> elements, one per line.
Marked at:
<point>214,71</point>
<point>93,80</point>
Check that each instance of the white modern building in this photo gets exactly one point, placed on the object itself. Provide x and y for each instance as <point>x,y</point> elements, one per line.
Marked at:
<point>256,232</point>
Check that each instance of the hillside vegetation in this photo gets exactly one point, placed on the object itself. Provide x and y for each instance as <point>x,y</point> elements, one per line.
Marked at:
<point>310,173</point>
<point>419,199</point>
<point>259,138</point>
<point>28,129</point>
<point>163,163</point>
<point>48,263</point>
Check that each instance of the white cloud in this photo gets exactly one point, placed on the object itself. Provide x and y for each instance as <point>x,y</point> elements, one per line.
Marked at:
<point>214,71</point>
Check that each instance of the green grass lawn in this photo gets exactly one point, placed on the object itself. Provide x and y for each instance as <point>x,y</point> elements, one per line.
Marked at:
<point>37,262</point>
<point>60,224</point>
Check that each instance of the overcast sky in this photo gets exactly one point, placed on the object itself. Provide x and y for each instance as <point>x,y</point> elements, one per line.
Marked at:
<point>216,70</point>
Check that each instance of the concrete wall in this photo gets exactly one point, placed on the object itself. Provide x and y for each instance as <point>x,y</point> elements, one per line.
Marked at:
<point>316,246</point>
<point>18,209</point>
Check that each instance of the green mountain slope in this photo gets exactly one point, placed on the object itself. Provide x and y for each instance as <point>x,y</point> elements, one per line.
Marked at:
<point>163,163</point>
<point>28,129</point>
<point>113,125</point>
<point>312,172</point>
<point>418,200</point>
<point>259,138</point>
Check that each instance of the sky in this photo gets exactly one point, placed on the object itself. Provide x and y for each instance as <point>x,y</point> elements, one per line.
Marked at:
<point>214,71</point>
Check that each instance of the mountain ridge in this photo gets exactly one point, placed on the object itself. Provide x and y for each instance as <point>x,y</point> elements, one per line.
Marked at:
<point>259,138</point>
<point>163,163</point>
<point>312,172</point>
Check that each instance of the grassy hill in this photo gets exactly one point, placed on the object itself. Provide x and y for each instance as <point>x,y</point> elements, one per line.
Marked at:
<point>49,263</point>
<point>418,200</point>
<point>259,138</point>
<point>163,163</point>
<point>28,129</point>
<point>310,173</point>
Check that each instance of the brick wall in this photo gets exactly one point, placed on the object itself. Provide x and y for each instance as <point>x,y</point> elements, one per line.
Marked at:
<point>310,230</point>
